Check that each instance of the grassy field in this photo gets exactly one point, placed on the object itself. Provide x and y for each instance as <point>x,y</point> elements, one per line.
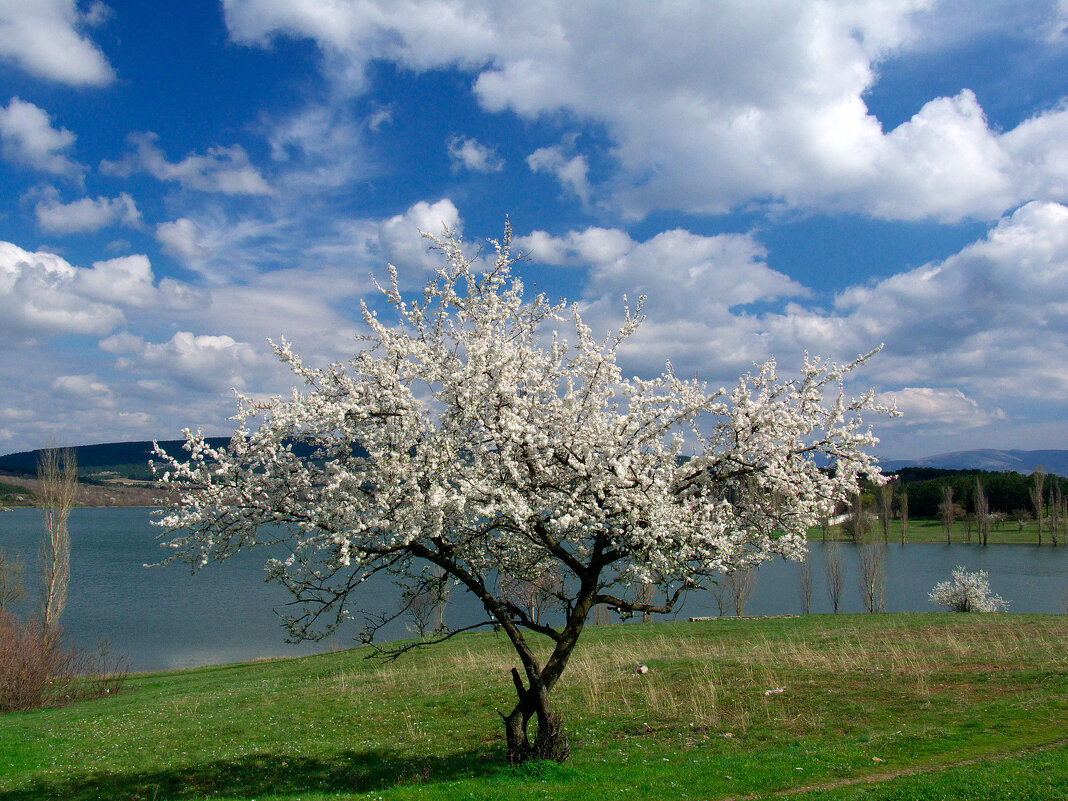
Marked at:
<point>871,706</point>
<point>930,530</point>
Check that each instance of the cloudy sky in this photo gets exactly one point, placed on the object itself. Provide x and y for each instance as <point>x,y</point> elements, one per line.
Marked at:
<point>181,181</point>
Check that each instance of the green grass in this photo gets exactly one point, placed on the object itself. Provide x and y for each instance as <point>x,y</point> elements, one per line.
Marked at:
<point>873,706</point>
<point>930,530</point>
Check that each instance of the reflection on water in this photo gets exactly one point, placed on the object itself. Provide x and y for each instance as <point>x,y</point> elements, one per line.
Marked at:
<point>166,618</point>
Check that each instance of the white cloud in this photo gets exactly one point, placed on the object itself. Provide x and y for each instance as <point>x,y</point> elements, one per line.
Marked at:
<point>924,406</point>
<point>28,138</point>
<point>379,119</point>
<point>86,214</point>
<point>207,363</point>
<point>126,280</point>
<point>181,238</point>
<point>711,106</point>
<point>37,296</point>
<point>87,390</point>
<point>225,170</point>
<point>42,37</point>
<point>473,155</point>
<point>578,248</point>
<point>399,236</point>
<point>320,148</point>
<point>42,294</point>
<point>572,173</point>
<point>698,290</point>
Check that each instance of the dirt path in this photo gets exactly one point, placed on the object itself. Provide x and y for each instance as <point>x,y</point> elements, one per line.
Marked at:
<point>883,775</point>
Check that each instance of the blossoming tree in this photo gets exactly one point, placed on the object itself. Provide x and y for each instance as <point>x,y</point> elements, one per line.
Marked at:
<point>469,442</point>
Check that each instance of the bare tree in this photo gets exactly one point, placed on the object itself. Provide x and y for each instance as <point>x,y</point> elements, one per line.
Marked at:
<point>1038,483</point>
<point>947,510</point>
<point>643,594</point>
<point>11,588</point>
<point>720,592</point>
<point>872,576</point>
<point>57,474</point>
<point>903,507</point>
<point>982,512</point>
<point>832,569</point>
<point>1056,499</point>
<point>425,602</point>
<point>741,583</point>
<point>536,594</point>
<point>859,522</point>
<point>804,589</point>
<point>885,495</point>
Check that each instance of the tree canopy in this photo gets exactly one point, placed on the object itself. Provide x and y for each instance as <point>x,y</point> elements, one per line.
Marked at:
<point>469,441</point>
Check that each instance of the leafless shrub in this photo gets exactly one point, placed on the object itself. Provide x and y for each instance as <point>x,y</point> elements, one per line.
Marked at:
<point>37,669</point>
<point>33,667</point>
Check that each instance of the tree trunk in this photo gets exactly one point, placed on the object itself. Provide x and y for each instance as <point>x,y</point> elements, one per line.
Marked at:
<point>550,741</point>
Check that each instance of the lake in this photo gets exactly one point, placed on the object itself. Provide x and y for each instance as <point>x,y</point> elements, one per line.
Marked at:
<point>164,618</point>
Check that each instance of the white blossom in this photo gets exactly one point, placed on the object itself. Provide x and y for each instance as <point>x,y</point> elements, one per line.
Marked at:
<point>967,592</point>
<point>469,434</point>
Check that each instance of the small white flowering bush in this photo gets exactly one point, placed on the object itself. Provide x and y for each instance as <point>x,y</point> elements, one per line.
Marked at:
<point>967,592</point>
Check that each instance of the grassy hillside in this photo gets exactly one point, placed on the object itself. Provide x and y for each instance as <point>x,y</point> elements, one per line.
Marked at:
<point>931,706</point>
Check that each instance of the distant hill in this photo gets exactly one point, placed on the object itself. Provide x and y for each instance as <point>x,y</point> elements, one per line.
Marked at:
<point>129,460</point>
<point>1054,461</point>
<point>118,460</point>
<point>123,459</point>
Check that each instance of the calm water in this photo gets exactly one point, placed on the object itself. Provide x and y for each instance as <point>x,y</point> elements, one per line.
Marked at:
<point>167,618</point>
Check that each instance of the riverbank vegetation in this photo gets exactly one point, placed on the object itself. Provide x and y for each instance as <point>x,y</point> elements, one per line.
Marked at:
<point>828,707</point>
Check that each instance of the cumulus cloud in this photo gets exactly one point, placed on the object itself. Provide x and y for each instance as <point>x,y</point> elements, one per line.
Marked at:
<point>700,293</point>
<point>28,138</point>
<point>473,155</point>
<point>41,294</point>
<point>226,170</point>
<point>970,340</point>
<point>208,363</point>
<point>86,214</point>
<point>400,238</point>
<point>43,38</point>
<point>709,106</point>
<point>181,238</point>
<point>576,248</point>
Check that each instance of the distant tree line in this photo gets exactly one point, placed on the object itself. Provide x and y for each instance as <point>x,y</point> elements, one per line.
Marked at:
<point>1005,491</point>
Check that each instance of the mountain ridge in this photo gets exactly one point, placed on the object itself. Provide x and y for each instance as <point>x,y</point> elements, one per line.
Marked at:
<point>130,459</point>
<point>993,459</point>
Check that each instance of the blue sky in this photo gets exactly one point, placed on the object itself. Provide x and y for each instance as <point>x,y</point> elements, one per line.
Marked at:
<point>183,180</point>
